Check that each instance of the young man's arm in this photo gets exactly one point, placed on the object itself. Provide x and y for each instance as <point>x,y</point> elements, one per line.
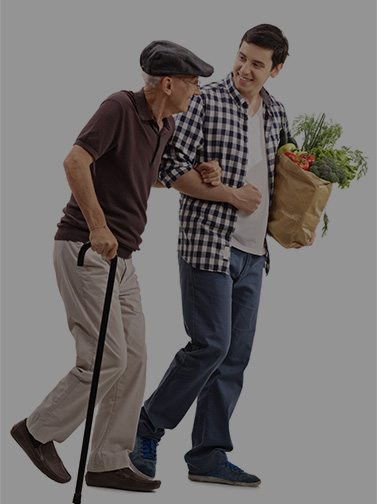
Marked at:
<point>246,198</point>
<point>193,183</point>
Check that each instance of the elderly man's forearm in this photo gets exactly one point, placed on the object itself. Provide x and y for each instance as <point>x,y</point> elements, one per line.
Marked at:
<point>77,170</point>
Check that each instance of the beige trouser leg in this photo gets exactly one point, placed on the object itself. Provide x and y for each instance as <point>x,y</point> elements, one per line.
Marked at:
<point>122,378</point>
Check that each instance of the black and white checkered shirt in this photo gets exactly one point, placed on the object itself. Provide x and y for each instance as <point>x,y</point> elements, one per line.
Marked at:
<point>215,128</point>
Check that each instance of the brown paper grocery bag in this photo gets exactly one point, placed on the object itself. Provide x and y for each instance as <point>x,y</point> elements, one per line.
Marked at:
<point>298,201</point>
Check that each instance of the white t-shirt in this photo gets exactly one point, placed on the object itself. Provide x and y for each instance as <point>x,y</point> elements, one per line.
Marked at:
<point>250,232</point>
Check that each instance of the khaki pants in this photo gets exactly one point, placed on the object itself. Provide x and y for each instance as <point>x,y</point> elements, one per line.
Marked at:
<point>122,379</point>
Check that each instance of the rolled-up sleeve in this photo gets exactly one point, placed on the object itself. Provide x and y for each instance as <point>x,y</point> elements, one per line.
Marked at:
<point>181,151</point>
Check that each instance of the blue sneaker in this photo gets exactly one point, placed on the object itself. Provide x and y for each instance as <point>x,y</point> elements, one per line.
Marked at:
<point>144,457</point>
<point>229,474</point>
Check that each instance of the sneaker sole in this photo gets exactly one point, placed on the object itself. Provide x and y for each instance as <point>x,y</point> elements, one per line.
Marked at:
<point>210,479</point>
<point>139,473</point>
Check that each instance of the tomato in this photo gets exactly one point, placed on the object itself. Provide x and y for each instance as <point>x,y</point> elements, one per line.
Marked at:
<point>303,163</point>
<point>309,157</point>
<point>291,156</point>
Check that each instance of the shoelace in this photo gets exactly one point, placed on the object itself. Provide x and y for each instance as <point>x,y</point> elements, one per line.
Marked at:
<point>233,467</point>
<point>148,448</point>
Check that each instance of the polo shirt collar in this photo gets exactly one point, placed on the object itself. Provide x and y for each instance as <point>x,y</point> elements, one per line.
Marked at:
<point>239,99</point>
<point>143,109</point>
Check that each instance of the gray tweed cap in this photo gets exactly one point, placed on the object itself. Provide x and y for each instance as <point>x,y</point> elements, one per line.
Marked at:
<point>163,57</point>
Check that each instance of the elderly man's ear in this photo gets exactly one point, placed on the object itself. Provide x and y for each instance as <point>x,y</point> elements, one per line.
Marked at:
<point>166,84</point>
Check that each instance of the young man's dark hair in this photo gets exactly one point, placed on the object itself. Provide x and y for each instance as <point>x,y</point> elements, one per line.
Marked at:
<point>268,37</point>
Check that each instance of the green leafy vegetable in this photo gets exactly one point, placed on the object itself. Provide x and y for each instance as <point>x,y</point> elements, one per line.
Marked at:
<point>327,169</point>
<point>339,165</point>
<point>325,223</point>
<point>320,137</point>
<point>353,163</point>
<point>317,132</point>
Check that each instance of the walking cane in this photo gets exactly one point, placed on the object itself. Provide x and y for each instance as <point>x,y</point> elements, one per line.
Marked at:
<point>96,371</point>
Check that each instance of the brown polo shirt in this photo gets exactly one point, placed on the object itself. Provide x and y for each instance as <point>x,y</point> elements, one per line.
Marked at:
<point>124,140</point>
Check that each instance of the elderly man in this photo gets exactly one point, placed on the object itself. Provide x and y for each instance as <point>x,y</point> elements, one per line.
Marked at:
<point>110,169</point>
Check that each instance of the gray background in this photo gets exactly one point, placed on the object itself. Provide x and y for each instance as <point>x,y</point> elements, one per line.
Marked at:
<point>305,422</point>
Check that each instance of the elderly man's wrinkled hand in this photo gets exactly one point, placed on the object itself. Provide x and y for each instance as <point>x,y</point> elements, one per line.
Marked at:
<point>103,242</point>
<point>210,172</point>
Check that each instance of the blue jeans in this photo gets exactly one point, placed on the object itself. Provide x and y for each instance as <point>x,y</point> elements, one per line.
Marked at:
<point>220,313</point>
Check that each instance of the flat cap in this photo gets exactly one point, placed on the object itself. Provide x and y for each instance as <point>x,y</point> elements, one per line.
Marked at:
<point>163,57</point>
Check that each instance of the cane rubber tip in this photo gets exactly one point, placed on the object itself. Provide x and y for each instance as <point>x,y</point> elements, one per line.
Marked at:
<point>77,499</point>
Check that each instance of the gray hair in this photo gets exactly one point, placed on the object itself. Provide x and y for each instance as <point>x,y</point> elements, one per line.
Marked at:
<point>151,80</point>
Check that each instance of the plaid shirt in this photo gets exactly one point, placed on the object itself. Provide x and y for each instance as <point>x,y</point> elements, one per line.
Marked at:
<point>215,128</point>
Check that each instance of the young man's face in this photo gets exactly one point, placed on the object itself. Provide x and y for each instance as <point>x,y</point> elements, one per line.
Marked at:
<point>251,69</point>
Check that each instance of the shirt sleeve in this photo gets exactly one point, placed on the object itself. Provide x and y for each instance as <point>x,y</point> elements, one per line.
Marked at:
<point>102,131</point>
<point>181,151</point>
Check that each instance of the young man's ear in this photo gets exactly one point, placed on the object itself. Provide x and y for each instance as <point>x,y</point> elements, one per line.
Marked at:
<point>276,70</point>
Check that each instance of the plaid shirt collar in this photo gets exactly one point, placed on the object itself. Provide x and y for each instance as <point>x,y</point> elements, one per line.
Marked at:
<point>239,99</point>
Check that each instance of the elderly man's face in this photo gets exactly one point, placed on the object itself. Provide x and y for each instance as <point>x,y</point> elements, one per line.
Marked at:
<point>185,87</point>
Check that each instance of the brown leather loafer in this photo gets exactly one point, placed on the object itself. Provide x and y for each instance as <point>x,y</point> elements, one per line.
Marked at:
<point>44,456</point>
<point>122,479</point>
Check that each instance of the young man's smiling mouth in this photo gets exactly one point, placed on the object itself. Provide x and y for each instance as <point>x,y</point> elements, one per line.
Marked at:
<point>244,79</point>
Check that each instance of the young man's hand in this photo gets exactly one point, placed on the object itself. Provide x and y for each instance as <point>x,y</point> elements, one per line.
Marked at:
<point>310,242</point>
<point>103,242</point>
<point>246,198</point>
<point>210,172</point>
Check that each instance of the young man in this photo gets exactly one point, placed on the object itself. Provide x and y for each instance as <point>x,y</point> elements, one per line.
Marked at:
<point>110,169</point>
<point>222,254</point>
